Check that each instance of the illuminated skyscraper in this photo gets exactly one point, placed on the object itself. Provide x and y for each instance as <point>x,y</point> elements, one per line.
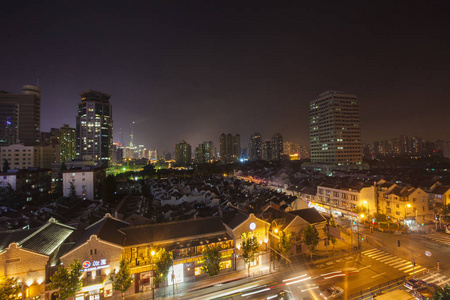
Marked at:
<point>334,126</point>
<point>94,128</point>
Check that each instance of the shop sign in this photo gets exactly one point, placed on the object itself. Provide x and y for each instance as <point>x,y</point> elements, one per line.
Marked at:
<point>95,265</point>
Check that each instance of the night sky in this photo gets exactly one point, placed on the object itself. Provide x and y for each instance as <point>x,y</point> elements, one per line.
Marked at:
<point>194,69</point>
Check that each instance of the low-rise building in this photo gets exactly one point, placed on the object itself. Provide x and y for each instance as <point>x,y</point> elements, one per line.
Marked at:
<point>86,182</point>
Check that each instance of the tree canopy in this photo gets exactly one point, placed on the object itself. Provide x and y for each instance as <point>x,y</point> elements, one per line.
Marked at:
<point>249,248</point>
<point>311,237</point>
<point>9,288</point>
<point>285,244</point>
<point>121,281</point>
<point>68,282</point>
<point>163,262</point>
<point>211,260</point>
<point>441,293</point>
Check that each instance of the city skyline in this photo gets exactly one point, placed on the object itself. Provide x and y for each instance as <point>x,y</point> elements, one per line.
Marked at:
<point>232,67</point>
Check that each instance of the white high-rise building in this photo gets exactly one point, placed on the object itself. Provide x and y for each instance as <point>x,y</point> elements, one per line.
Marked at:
<point>334,126</point>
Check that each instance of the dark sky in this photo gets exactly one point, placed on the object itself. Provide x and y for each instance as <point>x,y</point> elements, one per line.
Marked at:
<point>194,69</point>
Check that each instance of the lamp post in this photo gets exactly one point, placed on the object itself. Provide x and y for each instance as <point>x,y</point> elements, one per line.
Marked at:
<point>404,220</point>
<point>367,205</point>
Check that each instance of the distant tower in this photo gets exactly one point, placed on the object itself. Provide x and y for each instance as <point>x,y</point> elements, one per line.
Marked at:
<point>230,148</point>
<point>95,128</point>
<point>334,127</point>
<point>132,135</point>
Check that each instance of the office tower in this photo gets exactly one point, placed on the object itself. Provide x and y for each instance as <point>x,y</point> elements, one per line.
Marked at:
<point>230,148</point>
<point>254,147</point>
<point>132,135</point>
<point>67,143</point>
<point>183,153</point>
<point>277,146</point>
<point>266,151</point>
<point>94,128</point>
<point>335,133</point>
<point>20,116</point>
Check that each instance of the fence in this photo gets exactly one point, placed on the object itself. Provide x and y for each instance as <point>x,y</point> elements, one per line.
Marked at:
<point>372,291</point>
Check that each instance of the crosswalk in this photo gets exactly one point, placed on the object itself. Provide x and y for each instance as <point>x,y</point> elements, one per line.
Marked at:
<point>439,237</point>
<point>393,261</point>
<point>438,279</point>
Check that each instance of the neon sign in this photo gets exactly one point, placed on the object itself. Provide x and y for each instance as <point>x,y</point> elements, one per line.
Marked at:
<point>95,265</point>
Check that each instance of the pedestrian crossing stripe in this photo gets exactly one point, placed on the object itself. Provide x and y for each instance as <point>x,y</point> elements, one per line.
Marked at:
<point>394,261</point>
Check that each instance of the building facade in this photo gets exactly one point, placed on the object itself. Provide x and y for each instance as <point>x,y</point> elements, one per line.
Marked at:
<point>20,156</point>
<point>67,143</point>
<point>230,148</point>
<point>183,153</point>
<point>277,146</point>
<point>334,126</point>
<point>20,116</point>
<point>86,182</point>
<point>255,147</point>
<point>95,128</point>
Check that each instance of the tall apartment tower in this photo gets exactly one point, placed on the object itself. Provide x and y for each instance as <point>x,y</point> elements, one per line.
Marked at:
<point>183,153</point>
<point>95,128</point>
<point>230,148</point>
<point>254,147</point>
<point>67,143</point>
<point>334,127</point>
<point>20,116</point>
<point>277,146</point>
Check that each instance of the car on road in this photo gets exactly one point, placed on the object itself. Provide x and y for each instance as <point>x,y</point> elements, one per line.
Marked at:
<point>333,292</point>
<point>285,295</point>
<point>413,284</point>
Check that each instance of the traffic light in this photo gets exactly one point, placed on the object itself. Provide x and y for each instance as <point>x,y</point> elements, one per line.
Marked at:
<point>398,242</point>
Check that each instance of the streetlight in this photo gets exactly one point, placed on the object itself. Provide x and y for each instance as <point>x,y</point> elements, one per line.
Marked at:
<point>404,220</point>
<point>367,204</point>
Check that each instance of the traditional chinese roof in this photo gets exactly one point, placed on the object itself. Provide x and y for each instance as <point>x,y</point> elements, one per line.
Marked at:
<point>310,215</point>
<point>168,232</point>
<point>106,229</point>
<point>44,240</point>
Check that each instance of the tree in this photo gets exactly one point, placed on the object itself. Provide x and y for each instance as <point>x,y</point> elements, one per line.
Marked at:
<point>163,262</point>
<point>326,229</point>
<point>121,281</point>
<point>311,237</point>
<point>249,247</point>
<point>59,182</point>
<point>441,293</point>
<point>5,167</point>
<point>443,212</point>
<point>73,191</point>
<point>285,243</point>
<point>68,282</point>
<point>211,260</point>
<point>9,288</point>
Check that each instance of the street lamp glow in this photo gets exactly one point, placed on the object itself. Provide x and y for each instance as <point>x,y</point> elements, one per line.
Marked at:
<point>362,216</point>
<point>408,205</point>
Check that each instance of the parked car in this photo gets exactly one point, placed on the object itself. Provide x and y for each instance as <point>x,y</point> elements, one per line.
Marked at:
<point>333,292</point>
<point>285,295</point>
<point>413,284</point>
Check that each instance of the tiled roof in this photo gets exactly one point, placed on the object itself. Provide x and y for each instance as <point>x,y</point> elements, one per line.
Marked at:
<point>47,238</point>
<point>106,229</point>
<point>234,217</point>
<point>14,236</point>
<point>153,233</point>
<point>44,240</point>
<point>310,215</point>
<point>440,189</point>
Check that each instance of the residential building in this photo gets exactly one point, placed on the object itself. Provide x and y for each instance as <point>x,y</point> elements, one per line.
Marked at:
<point>335,133</point>
<point>95,128</point>
<point>230,148</point>
<point>30,185</point>
<point>20,116</point>
<point>86,182</point>
<point>277,147</point>
<point>27,255</point>
<point>266,150</point>
<point>204,153</point>
<point>20,156</point>
<point>183,153</point>
<point>255,147</point>
<point>67,143</point>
